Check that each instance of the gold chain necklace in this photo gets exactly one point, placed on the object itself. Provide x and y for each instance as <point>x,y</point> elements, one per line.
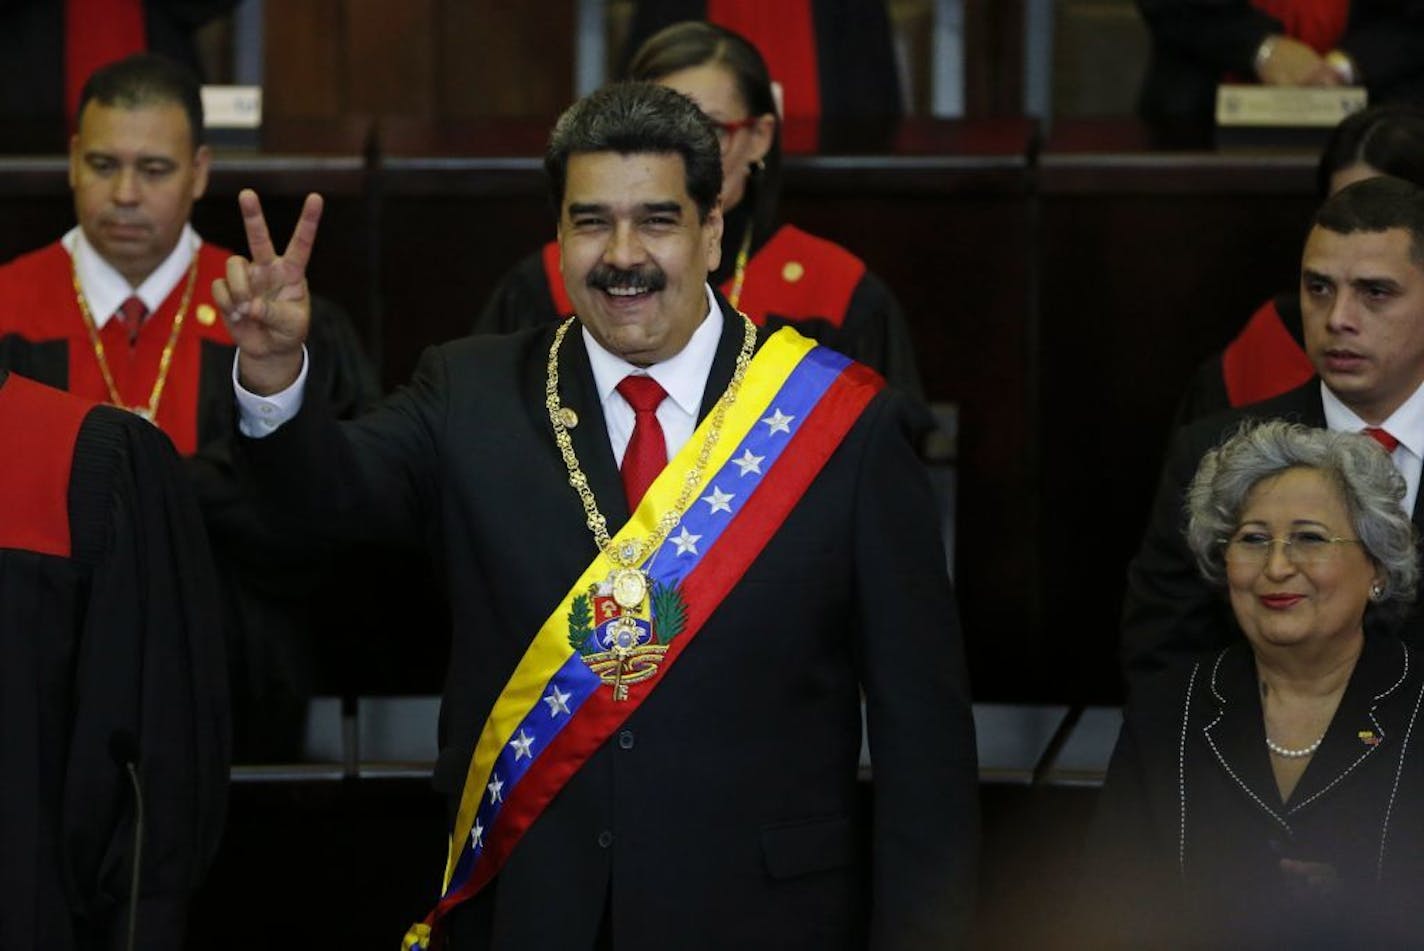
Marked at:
<point>634,551</point>
<point>739,270</point>
<point>165,361</point>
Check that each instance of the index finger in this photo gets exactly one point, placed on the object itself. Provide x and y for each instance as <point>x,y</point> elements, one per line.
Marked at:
<point>299,248</point>
<point>259,239</point>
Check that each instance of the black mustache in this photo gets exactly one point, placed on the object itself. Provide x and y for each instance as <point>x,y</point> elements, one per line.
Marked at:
<point>604,276</point>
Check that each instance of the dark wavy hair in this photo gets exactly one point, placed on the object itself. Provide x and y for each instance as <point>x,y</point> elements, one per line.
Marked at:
<point>1388,138</point>
<point>633,119</point>
<point>147,79</point>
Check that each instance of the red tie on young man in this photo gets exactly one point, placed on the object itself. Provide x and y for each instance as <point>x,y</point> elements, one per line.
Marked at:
<point>647,449</point>
<point>1381,437</point>
<point>131,313</point>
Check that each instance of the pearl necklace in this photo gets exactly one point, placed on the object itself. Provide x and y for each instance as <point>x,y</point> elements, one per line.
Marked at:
<point>1287,753</point>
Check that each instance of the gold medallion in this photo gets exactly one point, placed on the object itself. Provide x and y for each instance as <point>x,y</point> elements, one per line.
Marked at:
<point>568,417</point>
<point>793,271</point>
<point>206,315</point>
<point>630,588</point>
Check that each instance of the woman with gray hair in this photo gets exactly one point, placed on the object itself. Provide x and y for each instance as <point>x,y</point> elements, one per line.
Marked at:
<point>1273,792</point>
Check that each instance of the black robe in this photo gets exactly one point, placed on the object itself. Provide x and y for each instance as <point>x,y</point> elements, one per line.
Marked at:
<point>110,651</point>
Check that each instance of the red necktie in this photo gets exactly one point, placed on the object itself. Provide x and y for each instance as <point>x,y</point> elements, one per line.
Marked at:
<point>1381,437</point>
<point>647,449</point>
<point>131,312</point>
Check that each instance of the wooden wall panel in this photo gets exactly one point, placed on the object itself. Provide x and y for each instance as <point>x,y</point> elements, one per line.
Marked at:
<point>304,71</point>
<point>391,62</point>
<point>501,59</point>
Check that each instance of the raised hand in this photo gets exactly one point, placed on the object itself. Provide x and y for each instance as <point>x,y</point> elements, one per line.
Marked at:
<point>1292,63</point>
<point>264,299</point>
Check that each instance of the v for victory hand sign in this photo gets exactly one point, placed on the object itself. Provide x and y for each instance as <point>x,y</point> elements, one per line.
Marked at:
<point>265,300</point>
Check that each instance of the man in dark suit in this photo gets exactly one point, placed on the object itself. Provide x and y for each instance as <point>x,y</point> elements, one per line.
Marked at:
<point>1362,306</point>
<point>650,732</point>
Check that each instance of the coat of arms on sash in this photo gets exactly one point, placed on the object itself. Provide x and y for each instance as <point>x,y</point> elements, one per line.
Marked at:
<point>621,639</point>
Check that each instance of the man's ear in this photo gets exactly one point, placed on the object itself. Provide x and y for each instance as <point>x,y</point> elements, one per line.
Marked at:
<point>202,162</point>
<point>712,234</point>
<point>74,159</point>
<point>763,133</point>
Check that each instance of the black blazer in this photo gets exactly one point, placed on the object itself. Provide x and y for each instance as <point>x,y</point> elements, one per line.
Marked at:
<point>1196,42</point>
<point>1170,611</point>
<point>726,812</point>
<point>1186,845</point>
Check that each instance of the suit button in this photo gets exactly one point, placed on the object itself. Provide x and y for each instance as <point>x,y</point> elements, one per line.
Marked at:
<point>625,739</point>
<point>605,839</point>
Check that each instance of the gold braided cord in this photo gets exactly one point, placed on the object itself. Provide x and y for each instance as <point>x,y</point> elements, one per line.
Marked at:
<point>165,361</point>
<point>739,269</point>
<point>635,552</point>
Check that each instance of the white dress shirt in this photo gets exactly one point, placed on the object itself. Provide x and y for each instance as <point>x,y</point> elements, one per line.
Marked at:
<point>105,288</point>
<point>1405,424</point>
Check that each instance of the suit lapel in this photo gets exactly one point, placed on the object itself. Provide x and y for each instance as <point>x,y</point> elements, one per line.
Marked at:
<point>1236,734</point>
<point>1357,732</point>
<point>578,392</point>
<point>724,363</point>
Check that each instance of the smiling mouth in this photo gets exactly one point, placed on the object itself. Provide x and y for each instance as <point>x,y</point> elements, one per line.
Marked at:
<point>1281,601</point>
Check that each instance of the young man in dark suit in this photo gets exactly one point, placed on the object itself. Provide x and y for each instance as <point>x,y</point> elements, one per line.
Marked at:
<point>651,723</point>
<point>1362,306</point>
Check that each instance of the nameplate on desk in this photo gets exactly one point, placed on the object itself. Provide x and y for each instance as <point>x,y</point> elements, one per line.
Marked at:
<point>232,107</point>
<point>1292,107</point>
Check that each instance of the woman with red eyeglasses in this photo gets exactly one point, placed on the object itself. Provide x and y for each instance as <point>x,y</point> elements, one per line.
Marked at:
<point>775,273</point>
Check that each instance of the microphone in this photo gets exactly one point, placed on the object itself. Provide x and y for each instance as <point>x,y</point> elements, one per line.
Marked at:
<point>123,750</point>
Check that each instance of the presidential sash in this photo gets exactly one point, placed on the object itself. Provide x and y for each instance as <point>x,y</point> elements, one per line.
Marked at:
<point>593,661</point>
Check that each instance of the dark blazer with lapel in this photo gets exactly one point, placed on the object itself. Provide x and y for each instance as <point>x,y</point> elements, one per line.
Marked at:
<point>730,798</point>
<point>1170,611</point>
<point>1190,830</point>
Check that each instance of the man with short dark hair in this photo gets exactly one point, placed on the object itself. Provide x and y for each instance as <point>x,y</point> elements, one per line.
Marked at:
<point>678,551</point>
<point>120,311</point>
<point>1362,306</point>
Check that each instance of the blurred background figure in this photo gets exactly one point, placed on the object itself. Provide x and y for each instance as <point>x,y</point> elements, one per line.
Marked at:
<point>116,734</point>
<point>1268,356</point>
<point>831,59</point>
<point>48,48</point>
<point>1197,44</point>
<point>1269,793</point>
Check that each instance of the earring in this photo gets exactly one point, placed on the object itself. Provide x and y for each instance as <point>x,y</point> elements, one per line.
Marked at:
<point>1376,591</point>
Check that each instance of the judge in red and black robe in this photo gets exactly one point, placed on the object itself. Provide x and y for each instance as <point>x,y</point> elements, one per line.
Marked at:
<point>834,59</point>
<point>1197,44</point>
<point>266,573</point>
<point>110,655</point>
<point>48,47</point>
